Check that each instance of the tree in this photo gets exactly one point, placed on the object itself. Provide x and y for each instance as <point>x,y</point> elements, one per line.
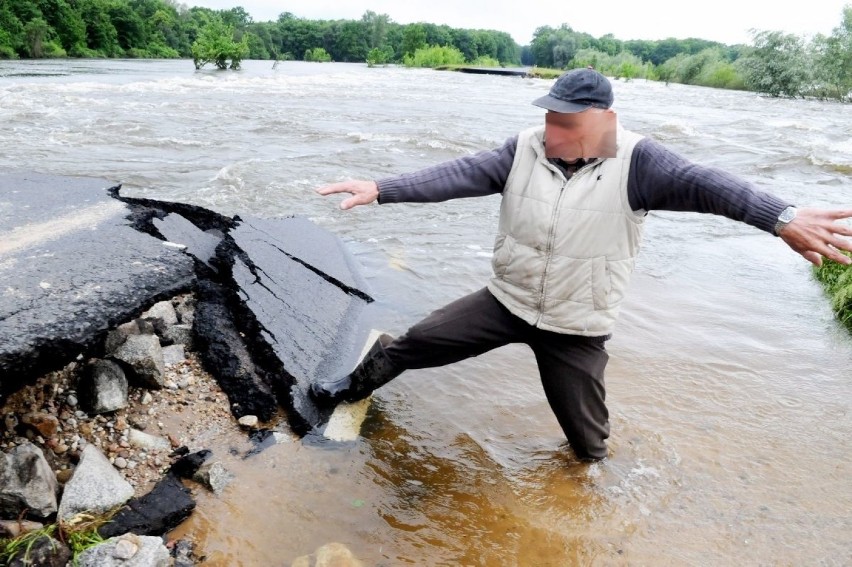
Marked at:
<point>36,32</point>
<point>215,44</point>
<point>413,38</point>
<point>318,55</point>
<point>101,36</point>
<point>377,28</point>
<point>833,61</point>
<point>777,65</point>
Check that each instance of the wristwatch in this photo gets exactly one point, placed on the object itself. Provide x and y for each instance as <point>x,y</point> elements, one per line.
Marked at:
<point>785,218</point>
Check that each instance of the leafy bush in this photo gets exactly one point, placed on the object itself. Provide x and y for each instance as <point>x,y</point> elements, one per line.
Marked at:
<point>317,54</point>
<point>836,279</point>
<point>379,56</point>
<point>434,56</point>
<point>485,61</point>
<point>215,44</point>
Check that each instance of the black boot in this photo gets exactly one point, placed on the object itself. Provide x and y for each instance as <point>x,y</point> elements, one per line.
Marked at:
<point>375,370</point>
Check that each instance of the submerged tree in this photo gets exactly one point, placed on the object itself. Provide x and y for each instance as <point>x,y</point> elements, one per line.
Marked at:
<point>215,44</point>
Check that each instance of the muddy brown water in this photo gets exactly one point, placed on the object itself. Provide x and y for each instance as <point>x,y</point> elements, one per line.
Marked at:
<point>729,382</point>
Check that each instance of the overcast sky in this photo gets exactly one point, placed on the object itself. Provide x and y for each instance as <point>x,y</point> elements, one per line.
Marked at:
<point>726,21</point>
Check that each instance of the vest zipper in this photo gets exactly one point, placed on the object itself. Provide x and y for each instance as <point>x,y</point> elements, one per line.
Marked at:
<point>549,248</point>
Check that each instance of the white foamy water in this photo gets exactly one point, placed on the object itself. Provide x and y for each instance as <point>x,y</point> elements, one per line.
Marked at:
<point>728,385</point>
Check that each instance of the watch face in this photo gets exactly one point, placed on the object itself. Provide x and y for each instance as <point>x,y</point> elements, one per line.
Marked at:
<point>787,214</point>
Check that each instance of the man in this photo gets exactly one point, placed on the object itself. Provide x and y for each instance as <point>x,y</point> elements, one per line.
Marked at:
<point>575,194</point>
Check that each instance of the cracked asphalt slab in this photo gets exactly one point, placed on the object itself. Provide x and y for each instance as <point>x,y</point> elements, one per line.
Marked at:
<point>286,302</point>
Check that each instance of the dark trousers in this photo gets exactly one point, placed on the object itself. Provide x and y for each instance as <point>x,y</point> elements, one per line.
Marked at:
<point>571,366</point>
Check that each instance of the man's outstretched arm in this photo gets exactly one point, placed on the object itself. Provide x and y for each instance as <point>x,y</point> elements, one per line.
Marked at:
<point>477,175</point>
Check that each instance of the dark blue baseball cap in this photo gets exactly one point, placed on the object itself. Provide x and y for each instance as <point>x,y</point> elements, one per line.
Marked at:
<point>576,91</point>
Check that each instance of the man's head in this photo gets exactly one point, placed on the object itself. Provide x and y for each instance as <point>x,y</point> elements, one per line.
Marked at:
<point>576,91</point>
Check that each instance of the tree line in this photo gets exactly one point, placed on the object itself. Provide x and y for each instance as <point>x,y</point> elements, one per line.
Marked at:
<point>778,64</point>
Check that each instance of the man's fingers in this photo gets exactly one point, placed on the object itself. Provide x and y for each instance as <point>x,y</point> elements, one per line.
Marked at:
<point>841,214</point>
<point>813,257</point>
<point>335,188</point>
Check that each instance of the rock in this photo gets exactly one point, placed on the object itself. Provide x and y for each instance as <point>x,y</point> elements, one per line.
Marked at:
<point>183,553</point>
<point>329,555</point>
<point>45,424</point>
<point>214,476</point>
<point>185,308</point>
<point>248,421</point>
<point>164,311</point>
<point>128,550</point>
<point>13,528</point>
<point>117,337</point>
<point>187,465</point>
<point>179,335</point>
<point>44,552</point>
<point>144,356</point>
<point>167,505</point>
<point>142,440</point>
<point>95,486</point>
<point>173,354</point>
<point>10,421</point>
<point>27,483</point>
<point>104,387</point>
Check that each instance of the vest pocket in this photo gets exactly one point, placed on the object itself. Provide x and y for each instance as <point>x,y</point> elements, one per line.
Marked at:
<point>601,283</point>
<point>502,254</point>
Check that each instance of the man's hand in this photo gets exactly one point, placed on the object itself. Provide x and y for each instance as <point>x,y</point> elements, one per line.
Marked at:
<point>363,192</point>
<point>815,233</point>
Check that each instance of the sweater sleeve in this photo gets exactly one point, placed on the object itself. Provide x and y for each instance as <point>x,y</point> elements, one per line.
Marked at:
<point>660,179</point>
<point>484,173</point>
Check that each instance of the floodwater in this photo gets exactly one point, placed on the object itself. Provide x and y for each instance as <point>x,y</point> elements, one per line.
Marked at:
<point>729,380</point>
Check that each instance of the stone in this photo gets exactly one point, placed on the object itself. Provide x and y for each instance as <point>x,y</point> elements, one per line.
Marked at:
<point>185,309</point>
<point>95,487</point>
<point>104,386</point>
<point>214,476</point>
<point>180,334</point>
<point>147,551</point>
<point>117,337</point>
<point>44,552</point>
<point>187,465</point>
<point>164,311</point>
<point>146,441</point>
<point>329,555</point>
<point>173,354</point>
<point>162,509</point>
<point>47,425</point>
<point>27,483</point>
<point>248,421</point>
<point>14,528</point>
<point>144,356</point>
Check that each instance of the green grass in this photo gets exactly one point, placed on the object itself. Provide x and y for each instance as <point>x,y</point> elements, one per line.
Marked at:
<point>836,279</point>
<point>9,548</point>
<point>79,536</point>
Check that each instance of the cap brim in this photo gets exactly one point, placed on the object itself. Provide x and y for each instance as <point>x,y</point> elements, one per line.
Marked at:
<point>556,105</point>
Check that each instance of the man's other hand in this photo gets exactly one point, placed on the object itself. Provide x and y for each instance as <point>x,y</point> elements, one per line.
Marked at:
<point>362,192</point>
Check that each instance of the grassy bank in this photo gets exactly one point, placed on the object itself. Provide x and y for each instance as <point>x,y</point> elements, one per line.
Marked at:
<point>836,279</point>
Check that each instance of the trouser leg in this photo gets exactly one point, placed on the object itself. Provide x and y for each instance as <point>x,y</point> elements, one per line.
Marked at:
<point>470,326</point>
<point>572,373</point>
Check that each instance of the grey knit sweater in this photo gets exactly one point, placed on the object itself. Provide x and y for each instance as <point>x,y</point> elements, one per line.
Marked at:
<point>659,179</point>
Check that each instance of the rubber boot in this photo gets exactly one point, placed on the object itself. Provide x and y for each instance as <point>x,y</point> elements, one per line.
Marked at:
<point>375,370</point>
